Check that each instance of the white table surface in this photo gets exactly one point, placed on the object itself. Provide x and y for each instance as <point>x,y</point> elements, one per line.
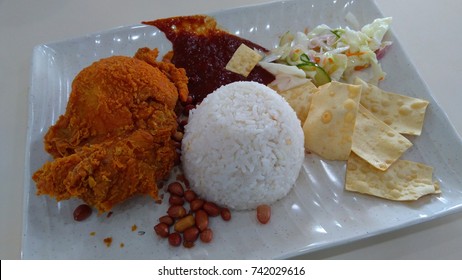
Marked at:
<point>428,30</point>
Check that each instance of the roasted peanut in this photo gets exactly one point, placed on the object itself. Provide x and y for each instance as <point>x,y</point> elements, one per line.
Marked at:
<point>188,244</point>
<point>176,211</point>
<point>175,188</point>
<point>166,220</point>
<point>184,223</point>
<point>183,123</point>
<point>263,213</point>
<point>191,234</point>
<point>178,136</point>
<point>175,200</point>
<point>225,214</point>
<point>174,239</point>
<point>162,229</point>
<point>201,219</point>
<point>189,99</point>
<point>206,236</point>
<point>211,208</point>
<point>190,195</point>
<point>196,204</point>
<point>82,212</point>
<point>183,179</point>
<point>188,108</point>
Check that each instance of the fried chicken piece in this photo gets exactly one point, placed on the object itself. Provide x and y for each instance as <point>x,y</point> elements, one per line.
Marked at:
<point>178,75</point>
<point>110,98</point>
<point>110,172</point>
<point>115,139</point>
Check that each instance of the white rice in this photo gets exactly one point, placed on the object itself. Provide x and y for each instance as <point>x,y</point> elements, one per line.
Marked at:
<point>243,146</point>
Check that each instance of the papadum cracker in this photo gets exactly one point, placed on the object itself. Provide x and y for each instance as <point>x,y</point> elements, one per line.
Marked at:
<point>404,114</point>
<point>402,181</point>
<point>299,98</point>
<point>331,120</point>
<point>243,60</point>
<point>376,142</point>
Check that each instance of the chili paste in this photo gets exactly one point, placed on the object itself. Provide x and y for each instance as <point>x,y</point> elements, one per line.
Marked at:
<point>203,51</point>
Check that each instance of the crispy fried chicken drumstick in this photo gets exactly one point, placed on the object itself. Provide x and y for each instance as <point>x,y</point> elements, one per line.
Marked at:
<point>115,139</point>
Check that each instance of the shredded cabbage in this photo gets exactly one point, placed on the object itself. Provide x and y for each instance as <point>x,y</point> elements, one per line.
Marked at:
<point>341,53</point>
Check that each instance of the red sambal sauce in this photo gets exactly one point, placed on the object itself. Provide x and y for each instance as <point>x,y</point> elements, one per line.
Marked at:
<point>203,51</point>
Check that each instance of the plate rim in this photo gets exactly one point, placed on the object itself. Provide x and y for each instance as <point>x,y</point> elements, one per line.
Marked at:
<point>303,250</point>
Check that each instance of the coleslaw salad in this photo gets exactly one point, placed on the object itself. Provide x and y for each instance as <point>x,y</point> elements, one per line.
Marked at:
<point>327,54</point>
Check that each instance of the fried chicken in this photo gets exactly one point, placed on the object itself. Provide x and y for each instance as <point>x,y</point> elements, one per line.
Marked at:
<point>115,139</point>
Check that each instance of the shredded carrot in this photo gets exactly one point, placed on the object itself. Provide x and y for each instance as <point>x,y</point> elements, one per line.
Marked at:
<point>361,67</point>
<point>317,59</point>
<point>348,53</point>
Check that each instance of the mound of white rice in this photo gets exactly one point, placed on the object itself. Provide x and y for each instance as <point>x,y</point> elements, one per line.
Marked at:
<point>243,146</point>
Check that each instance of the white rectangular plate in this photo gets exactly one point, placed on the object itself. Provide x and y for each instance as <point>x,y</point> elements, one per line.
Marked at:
<point>316,214</point>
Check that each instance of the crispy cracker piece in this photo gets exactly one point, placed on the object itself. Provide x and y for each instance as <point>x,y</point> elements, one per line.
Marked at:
<point>299,98</point>
<point>243,60</point>
<point>376,142</point>
<point>404,114</point>
<point>403,181</point>
<point>331,120</point>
